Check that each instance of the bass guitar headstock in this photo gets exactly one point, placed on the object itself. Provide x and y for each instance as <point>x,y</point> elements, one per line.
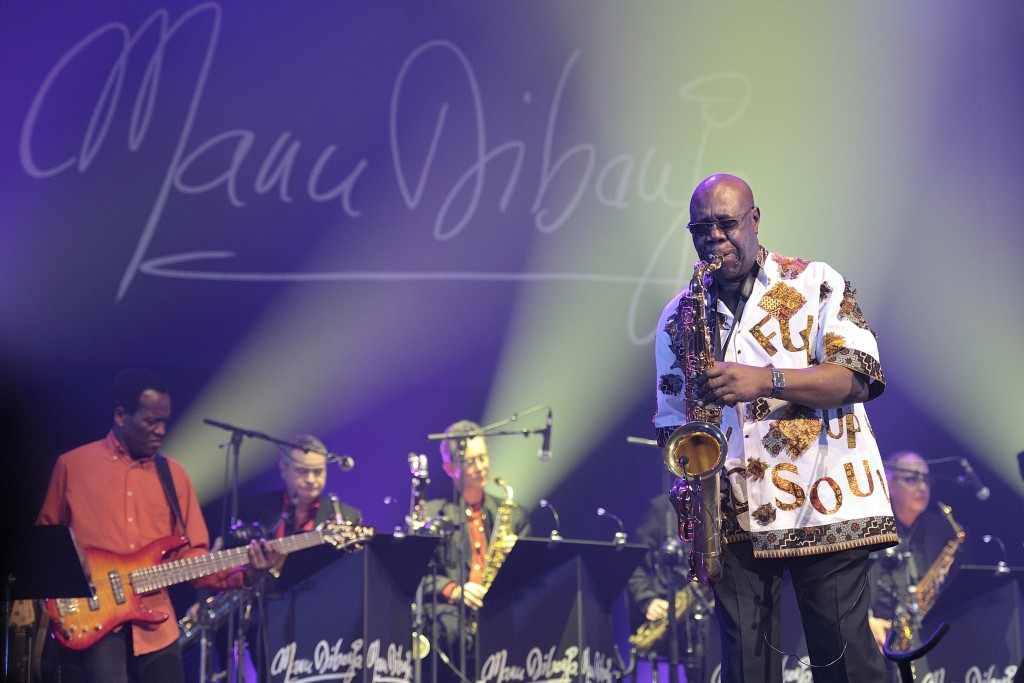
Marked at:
<point>347,536</point>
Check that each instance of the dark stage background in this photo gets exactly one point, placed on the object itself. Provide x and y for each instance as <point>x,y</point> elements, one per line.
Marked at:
<point>368,220</point>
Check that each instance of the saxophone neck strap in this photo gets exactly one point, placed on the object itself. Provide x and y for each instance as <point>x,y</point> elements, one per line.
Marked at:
<point>741,302</point>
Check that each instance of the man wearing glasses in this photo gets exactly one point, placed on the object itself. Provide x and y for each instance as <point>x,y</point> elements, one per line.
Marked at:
<point>463,556</point>
<point>923,534</point>
<point>795,361</point>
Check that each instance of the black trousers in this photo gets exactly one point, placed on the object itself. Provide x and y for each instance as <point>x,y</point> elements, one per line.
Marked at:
<point>832,596</point>
<point>111,660</point>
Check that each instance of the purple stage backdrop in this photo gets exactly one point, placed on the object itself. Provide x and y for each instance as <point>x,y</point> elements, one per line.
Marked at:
<point>369,220</point>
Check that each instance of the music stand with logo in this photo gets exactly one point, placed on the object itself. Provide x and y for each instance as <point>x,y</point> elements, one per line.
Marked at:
<point>549,609</point>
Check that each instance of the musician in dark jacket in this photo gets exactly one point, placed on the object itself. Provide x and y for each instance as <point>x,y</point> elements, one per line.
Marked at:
<point>924,535</point>
<point>302,505</point>
<point>466,461</point>
<point>666,561</point>
<point>299,507</point>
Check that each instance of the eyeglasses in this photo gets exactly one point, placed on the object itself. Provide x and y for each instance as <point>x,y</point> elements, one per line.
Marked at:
<point>726,225</point>
<point>913,479</point>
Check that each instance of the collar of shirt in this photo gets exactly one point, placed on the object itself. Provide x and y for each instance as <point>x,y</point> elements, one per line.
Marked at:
<point>118,449</point>
<point>305,524</point>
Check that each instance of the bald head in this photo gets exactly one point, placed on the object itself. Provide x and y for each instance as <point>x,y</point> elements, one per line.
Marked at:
<point>907,460</point>
<point>724,223</point>
<point>723,185</point>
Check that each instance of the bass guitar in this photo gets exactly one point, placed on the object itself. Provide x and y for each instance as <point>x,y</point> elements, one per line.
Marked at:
<point>119,580</point>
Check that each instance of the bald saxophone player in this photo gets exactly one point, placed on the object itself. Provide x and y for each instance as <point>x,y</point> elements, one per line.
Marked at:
<point>794,363</point>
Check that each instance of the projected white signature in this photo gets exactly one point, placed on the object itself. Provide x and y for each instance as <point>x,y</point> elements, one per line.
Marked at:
<point>613,184</point>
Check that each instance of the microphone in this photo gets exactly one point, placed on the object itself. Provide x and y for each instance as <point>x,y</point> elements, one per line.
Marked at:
<point>981,492</point>
<point>345,463</point>
<point>544,454</point>
<point>398,531</point>
<point>620,535</point>
<point>1001,566</point>
<point>556,537</point>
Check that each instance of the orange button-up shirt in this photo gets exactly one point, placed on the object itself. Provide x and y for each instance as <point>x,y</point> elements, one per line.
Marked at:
<point>117,504</point>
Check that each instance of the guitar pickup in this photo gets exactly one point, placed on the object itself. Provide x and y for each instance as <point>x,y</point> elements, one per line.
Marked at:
<point>117,586</point>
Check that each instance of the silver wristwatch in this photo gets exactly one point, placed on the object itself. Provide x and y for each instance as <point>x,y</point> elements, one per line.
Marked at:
<point>778,382</point>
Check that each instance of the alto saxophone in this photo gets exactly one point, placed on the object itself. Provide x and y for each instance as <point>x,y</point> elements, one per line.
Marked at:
<point>695,452</point>
<point>503,538</point>
<point>922,597</point>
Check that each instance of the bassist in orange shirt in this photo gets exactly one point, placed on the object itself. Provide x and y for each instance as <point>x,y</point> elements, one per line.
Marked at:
<point>110,494</point>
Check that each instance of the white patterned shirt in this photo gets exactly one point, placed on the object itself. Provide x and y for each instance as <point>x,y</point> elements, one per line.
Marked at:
<point>799,480</point>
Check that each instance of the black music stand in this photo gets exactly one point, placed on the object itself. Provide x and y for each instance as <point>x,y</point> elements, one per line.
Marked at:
<point>40,562</point>
<point>969,582</point>
<point>352,615</point>
<point>984,608</point>
<point>555,600</point>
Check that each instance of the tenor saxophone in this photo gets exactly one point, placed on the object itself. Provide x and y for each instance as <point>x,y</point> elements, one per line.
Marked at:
<point>695,452</point>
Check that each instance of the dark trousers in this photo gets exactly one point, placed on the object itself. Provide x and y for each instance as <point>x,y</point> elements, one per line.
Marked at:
<point>111,660</point>
<point>832,595</point>
<point>447,642</point>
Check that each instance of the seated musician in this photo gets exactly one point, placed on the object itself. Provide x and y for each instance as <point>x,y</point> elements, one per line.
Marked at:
<point>461,569</point>
<point>109,492</point>
<point>649,588</point>
<point>300,506</point>
<point>924,534</point>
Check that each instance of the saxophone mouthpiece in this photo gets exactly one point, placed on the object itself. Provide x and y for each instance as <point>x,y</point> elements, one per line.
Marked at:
<point>505,485</point>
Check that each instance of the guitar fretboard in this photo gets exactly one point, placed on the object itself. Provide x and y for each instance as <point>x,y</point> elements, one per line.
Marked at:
<point>148,579</point>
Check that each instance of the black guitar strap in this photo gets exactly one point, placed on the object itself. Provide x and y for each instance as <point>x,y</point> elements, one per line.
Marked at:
<point>164,470</point>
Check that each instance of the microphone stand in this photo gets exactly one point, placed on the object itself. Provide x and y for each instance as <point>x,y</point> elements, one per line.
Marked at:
<point>668,559</point>
<point>234,448</point>
<point>493,428</point>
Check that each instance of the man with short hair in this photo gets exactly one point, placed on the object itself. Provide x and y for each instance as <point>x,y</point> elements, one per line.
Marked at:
<point>301,505</point>
<point>110,494</point>
<point>466,460</point>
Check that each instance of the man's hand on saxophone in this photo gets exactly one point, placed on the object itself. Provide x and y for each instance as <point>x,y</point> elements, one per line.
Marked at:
<point>472,594</point>
<point>657,609</point>
<point>726,384</point>
<point>824,386</point>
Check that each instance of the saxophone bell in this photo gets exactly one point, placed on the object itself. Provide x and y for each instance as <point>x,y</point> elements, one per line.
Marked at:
<point>697,449</point>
